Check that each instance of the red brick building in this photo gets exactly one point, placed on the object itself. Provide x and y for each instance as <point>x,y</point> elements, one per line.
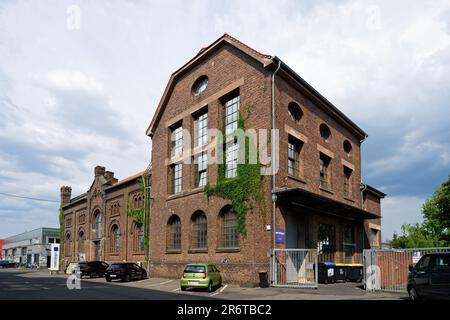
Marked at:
<point>97,223</point>
<point>315,199</point>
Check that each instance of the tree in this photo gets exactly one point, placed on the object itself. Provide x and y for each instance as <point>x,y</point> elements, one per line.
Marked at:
<point>434,231</point>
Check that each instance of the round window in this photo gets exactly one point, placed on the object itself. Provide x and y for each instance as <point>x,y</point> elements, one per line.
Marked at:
<point>347,147</point>
<point>325,132</point>
<point>200,85</point>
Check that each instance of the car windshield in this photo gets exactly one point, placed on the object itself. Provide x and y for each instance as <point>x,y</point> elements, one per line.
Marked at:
<point>195,269</point>
<point>116,266</point>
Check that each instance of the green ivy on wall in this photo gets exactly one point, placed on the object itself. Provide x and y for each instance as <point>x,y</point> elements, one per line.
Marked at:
<point>246,189</point>
<point>141,214</point>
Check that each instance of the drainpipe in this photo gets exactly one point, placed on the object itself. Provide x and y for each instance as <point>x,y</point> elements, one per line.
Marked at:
<point>274,197</point>
<point>363,242</point>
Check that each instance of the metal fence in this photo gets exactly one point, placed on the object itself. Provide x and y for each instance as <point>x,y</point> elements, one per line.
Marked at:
<point>296,268</point>
<point>387,269</point>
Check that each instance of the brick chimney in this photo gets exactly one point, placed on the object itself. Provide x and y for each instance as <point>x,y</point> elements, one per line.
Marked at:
<point>99,171</point>
<point>109,176</point>
<point>66,193</point>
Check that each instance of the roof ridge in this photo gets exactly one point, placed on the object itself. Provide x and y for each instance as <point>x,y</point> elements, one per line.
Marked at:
<point>267,56</point>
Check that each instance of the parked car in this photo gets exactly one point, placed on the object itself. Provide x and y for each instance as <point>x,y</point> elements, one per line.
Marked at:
<point>200,275</point>
<point>125,271</point>
<point>93,269</point>
<point>430,277</point>
<point>8,264</point>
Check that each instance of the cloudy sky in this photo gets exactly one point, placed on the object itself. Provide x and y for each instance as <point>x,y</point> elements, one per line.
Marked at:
<point>80,80</point>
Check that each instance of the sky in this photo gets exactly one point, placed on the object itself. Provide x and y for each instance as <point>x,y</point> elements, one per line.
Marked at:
<point>80,81</point>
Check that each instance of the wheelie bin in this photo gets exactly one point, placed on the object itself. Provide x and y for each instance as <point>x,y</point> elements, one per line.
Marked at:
<point>340,272</point>
<point>326,272</point>
<point>355,272</point>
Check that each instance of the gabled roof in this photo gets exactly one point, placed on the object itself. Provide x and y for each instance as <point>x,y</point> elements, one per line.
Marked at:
<point>226,38</point>
<point>130,178</point>
<point>266,61</point>
<point>83,196</point>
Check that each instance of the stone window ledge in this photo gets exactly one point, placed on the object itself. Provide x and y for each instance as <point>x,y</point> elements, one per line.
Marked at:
<point>219,250</point>
<point>173,251</point>
<point>198,251</point>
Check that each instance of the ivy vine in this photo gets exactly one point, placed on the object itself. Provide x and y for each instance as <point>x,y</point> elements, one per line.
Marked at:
<point>246,189</point>
<point>138,213</point>
<point>141,214</point>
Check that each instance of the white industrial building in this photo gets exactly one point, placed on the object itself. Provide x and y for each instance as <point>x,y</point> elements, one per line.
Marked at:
<point>31,248</point>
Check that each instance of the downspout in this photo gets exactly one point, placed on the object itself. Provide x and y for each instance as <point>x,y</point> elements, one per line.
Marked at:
<point>272,142</point>
<point>363,238</point>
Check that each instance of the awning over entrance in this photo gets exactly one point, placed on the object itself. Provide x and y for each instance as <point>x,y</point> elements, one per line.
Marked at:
<point>318,203</point>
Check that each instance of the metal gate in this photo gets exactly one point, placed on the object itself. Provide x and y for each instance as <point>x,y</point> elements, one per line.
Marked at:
<point>295,268</point>
<point>387,269</point>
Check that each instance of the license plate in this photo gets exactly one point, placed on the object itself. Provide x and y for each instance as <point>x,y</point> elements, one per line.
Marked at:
<point>192,282</point>
<point>113,276</point>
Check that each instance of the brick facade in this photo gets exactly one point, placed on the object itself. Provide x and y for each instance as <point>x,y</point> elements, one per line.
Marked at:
<point>233,67</point>
<point>109,198</point>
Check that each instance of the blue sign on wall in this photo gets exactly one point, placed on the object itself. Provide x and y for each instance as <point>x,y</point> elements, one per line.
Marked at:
<point>280,236</point>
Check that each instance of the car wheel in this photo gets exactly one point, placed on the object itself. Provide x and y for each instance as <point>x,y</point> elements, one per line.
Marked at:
<point>210,286</point>
<point>413,295</point>
<point>127,278</point>
<point>183,288</point>
<point>108,279</point>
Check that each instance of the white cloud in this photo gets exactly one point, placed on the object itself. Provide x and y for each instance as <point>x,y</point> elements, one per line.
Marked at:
<point>73,80</point>
<point>397,211</point>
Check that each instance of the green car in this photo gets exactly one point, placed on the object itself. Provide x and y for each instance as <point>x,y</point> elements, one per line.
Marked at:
<point>200,275</point>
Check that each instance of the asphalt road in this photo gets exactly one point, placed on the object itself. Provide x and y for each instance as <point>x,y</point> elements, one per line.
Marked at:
<point>20,285</point>
<point>16,284</point>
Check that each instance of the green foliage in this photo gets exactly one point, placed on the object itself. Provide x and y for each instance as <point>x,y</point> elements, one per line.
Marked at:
<point>434,231</point>
<point>141,214</point>
<point>243,191</point>
<point>138,214</point>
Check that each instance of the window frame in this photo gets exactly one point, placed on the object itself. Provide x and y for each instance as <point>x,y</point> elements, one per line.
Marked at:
<point>348,174</point>
<point>176,178</point>
<point>229,234</point>
<point>199,231</point>
<point>174,235</point>
<point>201,169</point>
<point>324,171</point>
<point>294,150</point>
<point>115,239</point>
<point>176,141</point>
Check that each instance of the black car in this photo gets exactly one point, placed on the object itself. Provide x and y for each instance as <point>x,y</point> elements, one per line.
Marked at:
<point>93,269</point>
<point>125,271</point>
<point>430,277</point>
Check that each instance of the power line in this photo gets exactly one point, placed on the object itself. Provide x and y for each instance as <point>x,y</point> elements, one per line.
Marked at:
<point>28,198</point>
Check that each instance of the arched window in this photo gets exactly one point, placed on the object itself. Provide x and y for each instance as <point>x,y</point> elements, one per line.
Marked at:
<point>174,233</point>
<point>98,224</point>
<point>81,242</point>
<point>295,112</point>
<point>200,231</point>
<point>68,245</point>
<point>229,236</point>
<point>138,237</point>
<point>325,132</point>
<point>115,239</point>
<point>347,147</point>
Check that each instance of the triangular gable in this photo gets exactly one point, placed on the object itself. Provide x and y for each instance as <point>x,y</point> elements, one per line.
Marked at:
<point>264,59</point>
